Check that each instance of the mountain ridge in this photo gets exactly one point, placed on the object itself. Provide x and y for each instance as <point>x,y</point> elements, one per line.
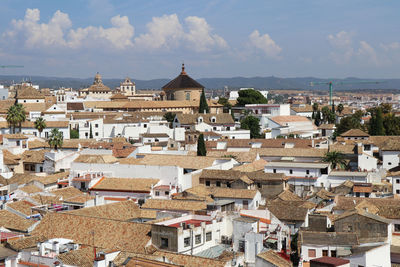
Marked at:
<point>258,82</point>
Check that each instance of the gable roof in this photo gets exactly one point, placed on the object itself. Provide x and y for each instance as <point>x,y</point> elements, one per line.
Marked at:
<point>75,106</point>
<point>274,258</point>
<point>354,133</point>
<point>163,204</point>
<point>289,210</point>
<point>12,221</point>
<point>22,206</point>
<point>283,120</point>
<point>100,232</point>
<point>124,184</point>
<point>29,93</point>
<point>225,192</point>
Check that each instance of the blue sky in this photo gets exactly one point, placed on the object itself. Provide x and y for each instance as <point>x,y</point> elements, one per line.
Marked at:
<point>150,39</point>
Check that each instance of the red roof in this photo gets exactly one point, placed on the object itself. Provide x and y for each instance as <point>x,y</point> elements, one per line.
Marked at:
<point>4,236</point>
<point>330,261</point>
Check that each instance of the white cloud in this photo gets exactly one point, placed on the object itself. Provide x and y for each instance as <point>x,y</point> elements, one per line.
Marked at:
<point>163,32</point>
<point>57,33</point>
<point>200,37</point>
<point>40,34</point>
<point>343,47</point>
<point>265,44</point>
<point>366,51</point>
<point>118,36</point>
<point>391,46</point>
<point>167,32</point>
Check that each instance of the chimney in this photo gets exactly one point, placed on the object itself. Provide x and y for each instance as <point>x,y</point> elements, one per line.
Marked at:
<point>96,199</point>
<point>312,143</point>
<point>204,112</point>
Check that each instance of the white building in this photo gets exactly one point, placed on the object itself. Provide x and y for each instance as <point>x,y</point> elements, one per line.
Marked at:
<point>296,125</point>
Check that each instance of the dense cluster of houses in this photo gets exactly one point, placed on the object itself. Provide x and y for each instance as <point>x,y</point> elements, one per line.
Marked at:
<point>132,191</point>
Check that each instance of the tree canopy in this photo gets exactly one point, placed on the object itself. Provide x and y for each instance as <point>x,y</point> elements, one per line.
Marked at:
<point>40,125</point>
<point>201,146</point>
<point>203,107</point>
<point>253,124</point>
<point>250,96</point>
<point>15,116</point>
<point>56,138</point>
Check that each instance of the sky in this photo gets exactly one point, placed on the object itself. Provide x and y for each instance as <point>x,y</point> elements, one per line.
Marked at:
<point>217,38</point>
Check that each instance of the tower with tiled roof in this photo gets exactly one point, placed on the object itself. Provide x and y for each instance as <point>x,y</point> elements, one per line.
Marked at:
<point>183,88</point>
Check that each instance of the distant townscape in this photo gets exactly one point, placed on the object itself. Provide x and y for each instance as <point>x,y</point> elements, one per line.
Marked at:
<point>181,175</point>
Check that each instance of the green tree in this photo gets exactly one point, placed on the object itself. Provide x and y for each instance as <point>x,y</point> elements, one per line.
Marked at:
<point>386,108</point>
<point>74,133</point>
<point>391,124</point>
<point>340,109</point>
<point>253,124</point>
<point>90,132</point>
<point>201,146</point>
<point>12,118</point>
<point>56,138</point>
<point>331,117</point>
<point>203,107</point>
<point>336,159</point>
<point>250,96</point>
<point>40,125</point>
<point>15,116</point>
<point>315,107</point>
<point>318,119</point>
<point>350,122</point>
<point>325,113</point>
<point>169,116</point>
<point>379,129</point>
<point>225,102</point>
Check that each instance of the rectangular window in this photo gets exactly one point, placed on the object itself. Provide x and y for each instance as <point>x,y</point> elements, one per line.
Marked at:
<point>307,171</point>
<point>397,227</point>
<point>245,204</point>
<point>96,125</point>
<point>397,181</point>
<point>333,253</point>
<point>311,253</point>
<point>207,183</point>
<point>157,193</point>
<point>166,193</point>
<point>186,241</point>
<point>96,134</point>
<point>291,171</point>
<point>218,183</point>
<point>18,142</point>
<point>397,191</point>
<point>197,239</point>
<point>324,253</point>
<point>208,236</point>
<point>164,242</point>
<point>274,170</point>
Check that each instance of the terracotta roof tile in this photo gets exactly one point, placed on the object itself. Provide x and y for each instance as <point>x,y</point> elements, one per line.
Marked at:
<point>125,184</point>
<point>354,133</point>
<point>100,232</point>
<point>161,204</point>
<point>274,258</point>
<point>12,221</point>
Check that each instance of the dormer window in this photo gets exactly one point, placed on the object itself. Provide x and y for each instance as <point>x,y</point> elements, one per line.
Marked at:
<point>200,119</point>
<point>213,119</point>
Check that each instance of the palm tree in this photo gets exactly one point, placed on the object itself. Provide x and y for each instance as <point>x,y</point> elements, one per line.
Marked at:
<point>21,115</point>
<point>40,125</point>
<point>56,138</point>
<point>340,108</point>
<point>12,118</point>
<point>335,158</point>
<point>16,115</point>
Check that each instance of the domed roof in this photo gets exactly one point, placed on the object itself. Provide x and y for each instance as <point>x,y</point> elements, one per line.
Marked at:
<point>183,81</point>
<point>98,85</point>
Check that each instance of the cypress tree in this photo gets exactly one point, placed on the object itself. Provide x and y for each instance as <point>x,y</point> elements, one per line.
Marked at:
<point>203,103</point>
<point>201,146</point>
<point>318,118</point>
<point>90,132</point>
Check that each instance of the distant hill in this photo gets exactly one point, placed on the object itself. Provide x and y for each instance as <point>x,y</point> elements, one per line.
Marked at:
<point>214,83</point>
